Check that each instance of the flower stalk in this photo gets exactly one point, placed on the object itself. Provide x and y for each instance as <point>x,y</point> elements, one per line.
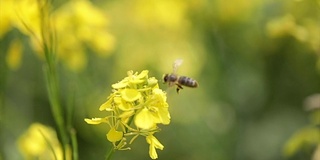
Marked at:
<point>46,40</point>
<point>110,153</point>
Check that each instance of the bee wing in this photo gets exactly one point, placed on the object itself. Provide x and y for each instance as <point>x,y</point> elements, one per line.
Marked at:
<point>176,64</point>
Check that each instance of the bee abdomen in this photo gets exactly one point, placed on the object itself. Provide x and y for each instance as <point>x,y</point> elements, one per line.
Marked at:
<point>186,81</point>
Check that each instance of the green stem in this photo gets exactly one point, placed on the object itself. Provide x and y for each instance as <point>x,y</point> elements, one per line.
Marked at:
<point>74,144</point>
<point>53,92</point>
<point>68,122</point>
<point>129,122</point>
<point>110,153</point>
<point>51,73</point>
<point>3,73</point>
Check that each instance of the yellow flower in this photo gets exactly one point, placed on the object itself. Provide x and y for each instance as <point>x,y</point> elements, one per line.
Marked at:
<point>27,17</point>
<point>14,55</point>
<point>235,10</point>
<point>155,13</point>
<point>135,98</point>
<point>80,23</point>
<point>154,144</point>
<point>40,142</point>
<point>6,16</point>
<point>77,25</point>
<point>304,137</point>
<point>286,25</point>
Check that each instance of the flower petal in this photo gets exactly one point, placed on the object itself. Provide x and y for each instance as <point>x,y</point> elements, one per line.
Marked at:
<point>107,105</point>
<point>164,115</point>
<point>121,104</point>
<point>157,144</point>
<point>152,152</point>
<point>125,116</point>
<point>96,120</point>
<point>154,143</point>
<point>120,84</point>
<point>152,82</point>
<point>114,136</point>
<point>143,74</point>
<point>130,95</point>
<point>144,119</point>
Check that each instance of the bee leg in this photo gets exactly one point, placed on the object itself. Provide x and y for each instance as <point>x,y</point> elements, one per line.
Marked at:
<point>178,88</point>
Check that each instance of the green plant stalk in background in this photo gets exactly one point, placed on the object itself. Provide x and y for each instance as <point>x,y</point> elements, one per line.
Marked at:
<point>47,36</point>
<point>52,78</point>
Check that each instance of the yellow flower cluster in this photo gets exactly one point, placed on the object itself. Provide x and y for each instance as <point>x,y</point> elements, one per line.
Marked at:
<point>138,99</point>
<point>305,30</point>
<point>40,142</point>
<point>80,24</point>
<point>286,26</point>
<point>76,25</point>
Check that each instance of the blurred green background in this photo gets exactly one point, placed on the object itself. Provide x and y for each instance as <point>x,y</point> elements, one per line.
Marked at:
<point>255,61</point>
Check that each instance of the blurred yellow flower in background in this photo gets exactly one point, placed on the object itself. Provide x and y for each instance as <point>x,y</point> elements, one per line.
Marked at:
<point>23,15</point>
<point>40,142</point>
<point>6,13</point>
<point>18,14</point>
<point>304,31</point>
<point>235,10</point>
<point>156,28</point>
<point>135,98</point>
<point>78,25</point>
<point>304,138</point>
<point>286,25</point>
<point>165,13</point>
<point>14,55</point>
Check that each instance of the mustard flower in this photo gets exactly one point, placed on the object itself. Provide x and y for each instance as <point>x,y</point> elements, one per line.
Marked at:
<point>6,16</point>
<point>14,55</point>
<point>138,99</point>
<point>79,24</point>
<point>40,142</point>
<point>23,15</point>
<point>286,25</point>
<point>76,24</point>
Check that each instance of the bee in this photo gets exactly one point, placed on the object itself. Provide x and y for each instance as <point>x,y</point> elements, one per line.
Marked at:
<point>179,81</point>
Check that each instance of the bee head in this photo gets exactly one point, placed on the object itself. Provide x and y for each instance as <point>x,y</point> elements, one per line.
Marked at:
<point>165,78</point>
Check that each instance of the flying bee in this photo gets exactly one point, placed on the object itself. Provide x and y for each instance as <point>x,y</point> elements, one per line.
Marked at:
<point>179,81</point>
